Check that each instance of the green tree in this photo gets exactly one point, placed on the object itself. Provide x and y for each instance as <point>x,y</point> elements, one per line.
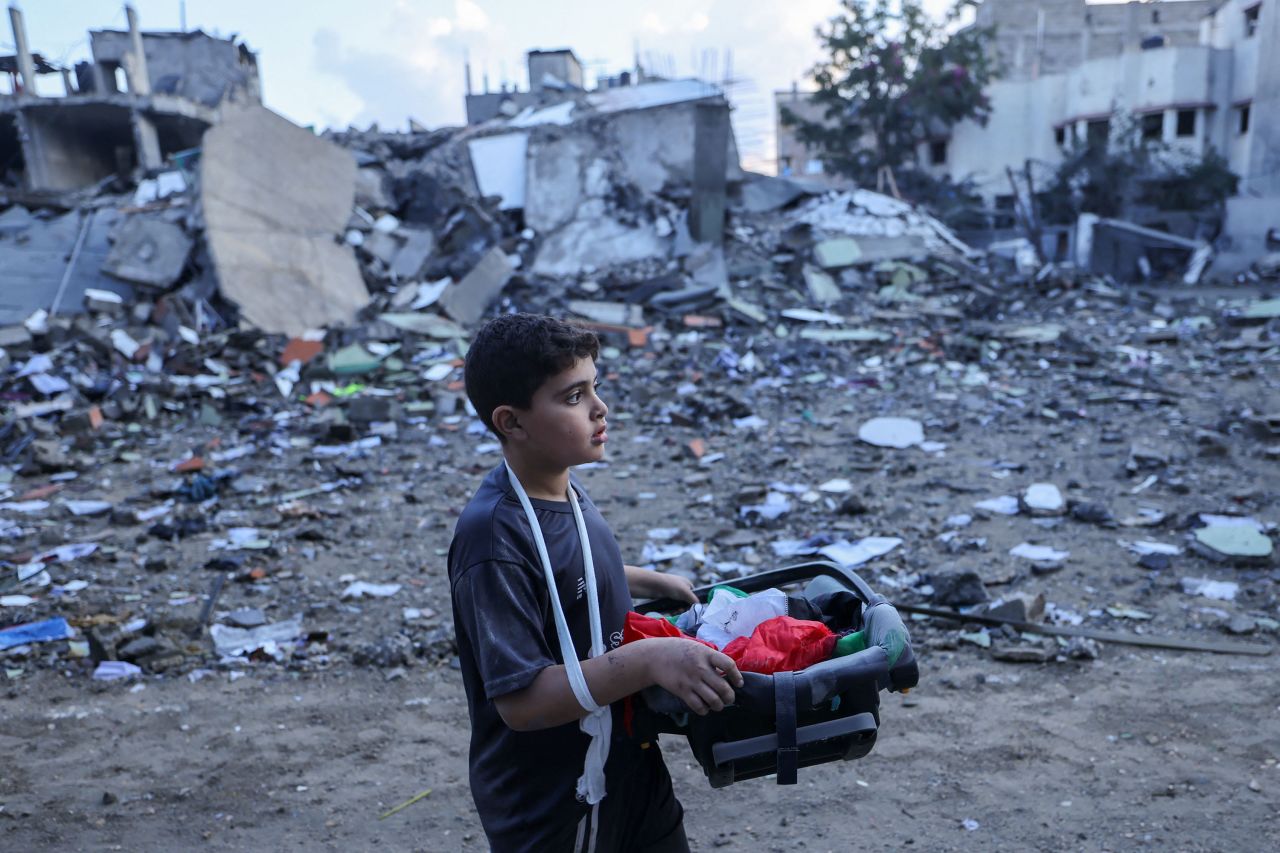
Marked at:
<point>1113,176</point>
<point>892,79</point>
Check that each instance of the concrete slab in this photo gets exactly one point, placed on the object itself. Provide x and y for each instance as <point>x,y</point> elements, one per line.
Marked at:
<point>371,190</point>
<point>419,243</point>
<point>276,198</point>
<point>555,181</point>
<point>837,252</point>
<point>36,254</point>
<point>500,164</point>
<point>822,288</point>
<point>466,300</point>
<point>596,242</point>
<point>148,251</point>
<point>612,313</point>
<point>762,193</point>
<point>656,146</point>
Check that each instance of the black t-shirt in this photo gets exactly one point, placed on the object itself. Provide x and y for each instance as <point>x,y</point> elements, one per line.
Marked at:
<point>524,783</point>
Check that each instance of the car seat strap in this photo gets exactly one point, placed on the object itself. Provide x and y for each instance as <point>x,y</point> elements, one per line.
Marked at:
<point>784,699</point>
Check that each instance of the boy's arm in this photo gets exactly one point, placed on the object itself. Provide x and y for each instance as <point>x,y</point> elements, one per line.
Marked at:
<point>644,583</point>
<point>698,675</point>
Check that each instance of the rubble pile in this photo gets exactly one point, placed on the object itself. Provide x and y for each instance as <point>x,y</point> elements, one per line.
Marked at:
<point>239,436</point>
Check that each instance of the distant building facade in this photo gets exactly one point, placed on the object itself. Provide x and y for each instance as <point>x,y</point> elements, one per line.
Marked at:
<point>1134,62</point>
<point>553,76</point>
<point>794,157</point>
<point>1192,73</point>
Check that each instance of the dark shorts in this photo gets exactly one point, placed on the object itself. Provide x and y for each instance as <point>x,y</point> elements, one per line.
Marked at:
<point>640,813</point>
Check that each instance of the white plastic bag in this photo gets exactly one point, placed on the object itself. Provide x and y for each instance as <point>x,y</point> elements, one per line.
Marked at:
<point>728,616</point>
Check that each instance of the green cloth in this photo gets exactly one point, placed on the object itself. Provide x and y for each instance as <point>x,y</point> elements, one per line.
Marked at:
<point>850,643</point>
<point>733,590</point>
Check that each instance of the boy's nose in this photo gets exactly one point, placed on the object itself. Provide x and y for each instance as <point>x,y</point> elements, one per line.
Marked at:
<point>602,408</point>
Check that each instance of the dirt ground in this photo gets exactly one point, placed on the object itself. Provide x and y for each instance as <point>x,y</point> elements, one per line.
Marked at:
<point>1138,749</point>
<point>1099,756</point>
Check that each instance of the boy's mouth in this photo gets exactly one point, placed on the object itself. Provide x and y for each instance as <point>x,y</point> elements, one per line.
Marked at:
<point>601,435</point>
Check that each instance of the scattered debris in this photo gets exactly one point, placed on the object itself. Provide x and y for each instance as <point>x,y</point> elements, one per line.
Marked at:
<point>892,432</point>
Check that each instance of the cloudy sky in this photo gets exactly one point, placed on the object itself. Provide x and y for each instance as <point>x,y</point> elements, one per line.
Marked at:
<point>334,64</point>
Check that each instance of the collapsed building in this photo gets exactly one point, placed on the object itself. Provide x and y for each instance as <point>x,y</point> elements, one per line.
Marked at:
<point>157,177</point>
<point>210,212</point>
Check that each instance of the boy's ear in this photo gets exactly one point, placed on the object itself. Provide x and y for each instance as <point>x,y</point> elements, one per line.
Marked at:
<point>506,420</point>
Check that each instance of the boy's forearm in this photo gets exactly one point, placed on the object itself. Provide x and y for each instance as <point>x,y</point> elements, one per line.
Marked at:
<point>640,582</point>
<point>549,701</point>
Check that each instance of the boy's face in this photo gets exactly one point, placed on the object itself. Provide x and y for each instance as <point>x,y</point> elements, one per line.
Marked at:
<point>565,421</point>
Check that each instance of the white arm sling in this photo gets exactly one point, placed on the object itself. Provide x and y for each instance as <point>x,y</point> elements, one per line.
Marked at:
<point>598,724</point>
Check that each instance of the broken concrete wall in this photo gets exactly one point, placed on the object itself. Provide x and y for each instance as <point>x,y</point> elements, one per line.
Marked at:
<point>656,146</point>
<point>70,146</point>
<point>193,65</point>
<point>570,201</point>
<point>562,163</point>
<point>595,239</point>
<point>1244,237</point>
<point>276,198</point>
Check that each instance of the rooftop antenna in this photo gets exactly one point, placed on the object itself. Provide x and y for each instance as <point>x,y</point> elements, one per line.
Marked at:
<point>182,15</point>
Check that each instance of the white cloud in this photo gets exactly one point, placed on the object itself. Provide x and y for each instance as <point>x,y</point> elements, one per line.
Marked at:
<point>698,22</point>
<point>652,23</point>
<point>469,16</point>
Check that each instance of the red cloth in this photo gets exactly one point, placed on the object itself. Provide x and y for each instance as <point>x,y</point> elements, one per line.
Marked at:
<point>638,627</point>
<point>782,644</point>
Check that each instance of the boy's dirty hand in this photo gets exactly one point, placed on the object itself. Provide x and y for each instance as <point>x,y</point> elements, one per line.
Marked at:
<point>697,675</point>
<point>676,588</point>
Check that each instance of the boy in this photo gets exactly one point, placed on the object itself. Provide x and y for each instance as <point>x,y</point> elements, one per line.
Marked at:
<point>553,763</point>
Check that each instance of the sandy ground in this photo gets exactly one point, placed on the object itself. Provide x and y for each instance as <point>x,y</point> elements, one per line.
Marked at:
<point>1134,752</point>
<point>1137,750</point>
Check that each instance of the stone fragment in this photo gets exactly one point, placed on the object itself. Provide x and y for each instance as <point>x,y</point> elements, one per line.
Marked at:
<point>1155,562</point>
<point>250,617</point>
<point>1241,624</point>
<point>466,300</point>
<point>1219,590</point>
<point>1002,505</point>
<point>1083,648</point>
<point>1017,607</point>
<point>892,432</point>
<point>363,410</point>
<point>1021,654</point>
<point>1092,513</point>
<point>1232,543</point>
<point>1044,499</point>
<point>148,251</point>
<point>837,252</point>
<point>957,588</point>
<point>1038,553</point>
<point>138,648</point>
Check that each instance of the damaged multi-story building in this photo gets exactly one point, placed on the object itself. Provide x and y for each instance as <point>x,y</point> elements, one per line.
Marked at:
<point>152,167</point>
<point>141,98</point>
<point>1194,74</point>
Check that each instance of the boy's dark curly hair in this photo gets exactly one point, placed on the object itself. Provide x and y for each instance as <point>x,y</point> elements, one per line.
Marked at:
<point>514,354</point>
